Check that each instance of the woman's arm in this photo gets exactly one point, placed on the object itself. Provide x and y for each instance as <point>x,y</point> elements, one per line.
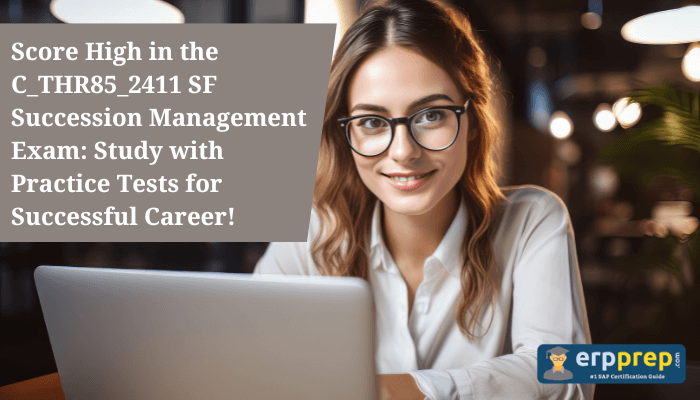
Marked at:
<point>398,387</point>
<point>547,307</point>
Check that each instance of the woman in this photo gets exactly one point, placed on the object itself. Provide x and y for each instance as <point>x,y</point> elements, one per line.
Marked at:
<point>468,279</point>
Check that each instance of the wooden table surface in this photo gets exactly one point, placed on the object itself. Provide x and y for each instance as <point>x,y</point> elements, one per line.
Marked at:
<point>47,387</point>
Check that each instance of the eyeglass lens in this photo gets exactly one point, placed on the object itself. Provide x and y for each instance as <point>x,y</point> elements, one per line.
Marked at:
<point>433,129</point>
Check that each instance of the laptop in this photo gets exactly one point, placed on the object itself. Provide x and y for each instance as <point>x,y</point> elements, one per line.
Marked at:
<point>132,334</point>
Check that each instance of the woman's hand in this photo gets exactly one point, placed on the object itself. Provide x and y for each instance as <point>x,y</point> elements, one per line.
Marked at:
<point>398,387</point>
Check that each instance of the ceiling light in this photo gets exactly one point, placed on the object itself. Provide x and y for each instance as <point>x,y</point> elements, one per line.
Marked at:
<point>560,125</point>
<point>691,62</point>
<point>603,118</point>
<point>680,25</point>
<point>119,12</point>
<point>627,112</point>
<point>591,20</point>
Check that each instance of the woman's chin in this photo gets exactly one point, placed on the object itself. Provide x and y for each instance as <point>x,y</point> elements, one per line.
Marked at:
<point>409,206</point>
<point>427,202</point>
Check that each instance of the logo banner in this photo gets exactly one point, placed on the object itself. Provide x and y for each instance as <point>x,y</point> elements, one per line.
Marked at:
<point>611,363</point>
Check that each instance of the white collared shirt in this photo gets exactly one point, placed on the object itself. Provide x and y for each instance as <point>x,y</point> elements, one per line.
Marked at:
<point>539,301</point>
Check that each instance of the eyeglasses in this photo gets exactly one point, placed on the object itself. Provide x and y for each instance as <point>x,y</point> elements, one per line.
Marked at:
<point>433,128</point>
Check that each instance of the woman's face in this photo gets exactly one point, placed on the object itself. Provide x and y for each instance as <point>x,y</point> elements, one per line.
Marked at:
<point>396,82</point>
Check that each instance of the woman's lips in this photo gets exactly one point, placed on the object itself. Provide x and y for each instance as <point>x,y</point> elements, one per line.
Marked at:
<point>408,182</point>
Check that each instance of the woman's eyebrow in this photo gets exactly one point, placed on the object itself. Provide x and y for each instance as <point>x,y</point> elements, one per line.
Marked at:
<point>415,104</point>
<point>369,107</point>
<point>429,99</point>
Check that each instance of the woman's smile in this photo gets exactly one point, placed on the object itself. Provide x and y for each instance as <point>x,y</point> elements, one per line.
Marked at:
<point>409,180</point>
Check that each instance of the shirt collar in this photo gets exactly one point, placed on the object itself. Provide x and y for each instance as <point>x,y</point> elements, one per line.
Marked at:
<point>376,239</point>
<point>448,252</point>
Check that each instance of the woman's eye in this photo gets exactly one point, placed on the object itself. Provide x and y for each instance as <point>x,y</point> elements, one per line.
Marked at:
<point>373,123</point>
<point>430,116</point>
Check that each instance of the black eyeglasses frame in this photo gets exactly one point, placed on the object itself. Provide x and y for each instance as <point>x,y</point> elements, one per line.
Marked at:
<point>458,110</point>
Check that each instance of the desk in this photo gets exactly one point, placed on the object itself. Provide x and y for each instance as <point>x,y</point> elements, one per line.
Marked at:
<point>47,387</point>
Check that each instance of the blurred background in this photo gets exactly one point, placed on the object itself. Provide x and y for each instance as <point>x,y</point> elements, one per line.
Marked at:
<point>627,168</point>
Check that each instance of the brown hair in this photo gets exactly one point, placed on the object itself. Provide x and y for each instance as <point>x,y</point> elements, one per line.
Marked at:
<point>343,202</point>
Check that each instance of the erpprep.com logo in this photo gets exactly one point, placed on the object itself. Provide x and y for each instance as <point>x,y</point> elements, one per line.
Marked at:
<point>611,363</point>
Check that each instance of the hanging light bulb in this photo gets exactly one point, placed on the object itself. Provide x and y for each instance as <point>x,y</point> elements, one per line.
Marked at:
<point>603,118</point>
<point>124,11</point>
<point>691,62</point>
<point>591,20</point>
<point>627,112</point>
<point>560,125</point>
<point>679,25</point>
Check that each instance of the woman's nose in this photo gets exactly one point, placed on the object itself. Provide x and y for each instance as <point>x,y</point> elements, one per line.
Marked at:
<point>403,148</point>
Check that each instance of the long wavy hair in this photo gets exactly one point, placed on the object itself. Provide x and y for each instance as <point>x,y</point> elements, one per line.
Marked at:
<point>345,205</point>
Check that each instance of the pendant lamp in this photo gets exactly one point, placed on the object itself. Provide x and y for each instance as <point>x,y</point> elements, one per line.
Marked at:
<point>679,25</point>
<point>110,11</point>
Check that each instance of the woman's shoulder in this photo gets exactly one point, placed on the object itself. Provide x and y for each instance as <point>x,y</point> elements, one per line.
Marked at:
<point>531,194</point>
<point>531,201</point>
